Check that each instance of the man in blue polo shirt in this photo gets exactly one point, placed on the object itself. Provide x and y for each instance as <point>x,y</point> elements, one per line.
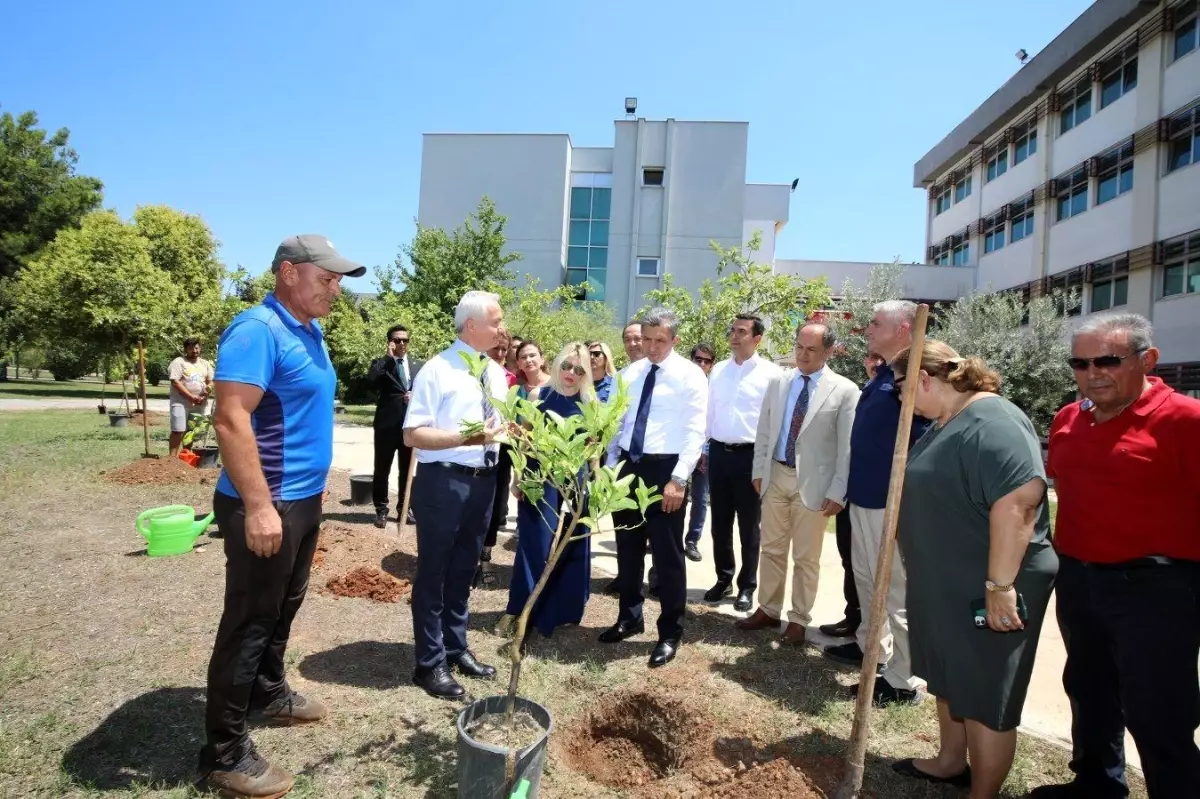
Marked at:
<point>872,444</point>
<point>274,421</point>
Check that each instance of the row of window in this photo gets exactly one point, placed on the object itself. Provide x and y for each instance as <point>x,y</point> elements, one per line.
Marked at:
<point>1181,266</point>
<point>1186,31</point>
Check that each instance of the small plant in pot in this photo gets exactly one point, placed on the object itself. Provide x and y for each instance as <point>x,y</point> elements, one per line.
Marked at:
<point>502,739</point>
<point>199,426</point>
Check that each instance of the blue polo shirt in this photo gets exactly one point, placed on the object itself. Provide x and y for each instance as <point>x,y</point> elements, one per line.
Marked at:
<point>873,440</point>
<point>267,347</point>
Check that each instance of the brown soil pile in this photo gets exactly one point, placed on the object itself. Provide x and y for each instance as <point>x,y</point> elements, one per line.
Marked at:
<point>154,419</point>
<point>775,778</point>
<point>159,471</point>
<point>369,583</point>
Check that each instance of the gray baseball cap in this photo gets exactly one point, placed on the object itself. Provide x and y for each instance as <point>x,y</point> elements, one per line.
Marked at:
<point>312,248</point>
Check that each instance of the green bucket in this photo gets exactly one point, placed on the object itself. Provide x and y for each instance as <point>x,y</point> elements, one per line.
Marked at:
<point>170,530</point>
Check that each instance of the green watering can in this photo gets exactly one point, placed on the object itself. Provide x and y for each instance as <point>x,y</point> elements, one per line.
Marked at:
<point>170,530</point>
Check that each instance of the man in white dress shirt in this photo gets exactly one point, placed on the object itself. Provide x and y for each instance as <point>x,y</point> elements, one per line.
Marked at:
<point>659,440</point>
<point>735,397</point>
<point>453,492</point>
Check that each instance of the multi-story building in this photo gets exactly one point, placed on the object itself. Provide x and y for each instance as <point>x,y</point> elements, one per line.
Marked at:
<point>1081,172</point>
<point>621,217</point>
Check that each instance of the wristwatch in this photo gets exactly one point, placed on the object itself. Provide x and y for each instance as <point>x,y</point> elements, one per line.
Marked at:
<point>679,482</point>
<point>996,588</point>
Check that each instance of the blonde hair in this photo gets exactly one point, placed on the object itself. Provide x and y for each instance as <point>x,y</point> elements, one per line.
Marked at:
<point>587,393</point>
<point>939,360</point>
<point>609,369</point>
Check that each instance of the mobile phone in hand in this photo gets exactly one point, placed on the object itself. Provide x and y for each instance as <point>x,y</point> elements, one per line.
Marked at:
<point>979,612</point>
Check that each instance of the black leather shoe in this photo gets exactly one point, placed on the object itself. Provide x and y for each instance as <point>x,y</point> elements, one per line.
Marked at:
<point>849,654</point>
<point>438,683</point>
<point>410,519</point>
<point>613,588</point>
<point>846,628</point>
<point>622,630</point>
<point>664,653</point>
<point>468,665</point>
<point>745,601</point>
<point>718,592</point>
<point>381,520</point>
<point>692,552</point>
<point>885,694</point>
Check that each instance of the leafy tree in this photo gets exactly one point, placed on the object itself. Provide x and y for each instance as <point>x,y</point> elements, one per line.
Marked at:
<point>443,266</point>
<point>852,313</point>
<point>40,193</point>
<point>183,247</point>
<point>552,318</point>
<point>742,286</point>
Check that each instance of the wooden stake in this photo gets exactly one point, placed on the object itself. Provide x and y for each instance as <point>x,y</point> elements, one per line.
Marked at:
<point>412,468</point>
<point>857,750</point>
<point>145,410</point>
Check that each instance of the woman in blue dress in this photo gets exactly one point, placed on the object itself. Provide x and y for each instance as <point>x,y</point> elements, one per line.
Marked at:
<point>603,370</point>
<point>566,593</point>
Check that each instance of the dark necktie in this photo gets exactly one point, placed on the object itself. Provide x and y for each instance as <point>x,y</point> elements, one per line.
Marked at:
<point>489,410</point>
<point>638,442</point>
<point>789,452</point>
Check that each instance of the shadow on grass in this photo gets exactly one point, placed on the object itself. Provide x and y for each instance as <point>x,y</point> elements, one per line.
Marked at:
<point>428,756</point>
<point>153,739</point>
<point>362,664</point>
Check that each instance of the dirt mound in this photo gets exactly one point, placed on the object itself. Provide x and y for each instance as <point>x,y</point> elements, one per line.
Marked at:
<point>366,582</point>
<point>159,471</point>
<point>153,419</point>
<point>774,778</point>
<point>635,739</point>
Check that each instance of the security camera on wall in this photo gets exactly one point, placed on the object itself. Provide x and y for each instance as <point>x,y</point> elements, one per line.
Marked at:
<point>1022,56</point>
<point>630,105</point>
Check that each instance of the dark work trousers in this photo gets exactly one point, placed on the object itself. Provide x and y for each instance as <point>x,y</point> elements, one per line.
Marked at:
<point>452,506</point>
<point>849,590</point>
<point>698,505</point>
<point>262,596</point>
<point>389,443</point>
<point>665,533</point>
<point>1132,637</point>
<point>731,494</point>
<point>503,490</point>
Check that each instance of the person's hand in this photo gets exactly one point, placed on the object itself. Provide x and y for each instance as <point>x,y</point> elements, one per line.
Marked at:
<point>516,492</point>
<point>408,396</point>
<point>487,435</point>
<point>702,466</point>
<point>264,531</point>
<point>830,508</point>
<point>672,500</point>
<point>1002,613</point>
<point>392,349</point>
<point>757,483</point>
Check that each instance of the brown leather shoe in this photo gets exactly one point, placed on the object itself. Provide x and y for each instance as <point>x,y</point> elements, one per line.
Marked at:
<point>793,635</point>
<point>759,620</point>
<point>252,777</point>
<point>295,708</point>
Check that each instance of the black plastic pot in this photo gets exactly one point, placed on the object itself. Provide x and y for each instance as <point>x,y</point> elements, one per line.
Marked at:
<point>360,489</point>
<point>118,419</point>
<point>481,767</point>
<point>208,457</point>
<point>103,409</point>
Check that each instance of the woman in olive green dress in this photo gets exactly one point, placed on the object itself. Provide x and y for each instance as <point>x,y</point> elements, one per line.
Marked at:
<point>974,530</point>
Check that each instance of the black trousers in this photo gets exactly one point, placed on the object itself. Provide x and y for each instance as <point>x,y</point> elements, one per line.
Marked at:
<point>730,494</point>
<point>1132,637</point>
<point>389,442</point>
<point>500,501</point>
<point>665,533</point>
<point>452,509</point>
<point>849,589</point>
<point>262,596</point>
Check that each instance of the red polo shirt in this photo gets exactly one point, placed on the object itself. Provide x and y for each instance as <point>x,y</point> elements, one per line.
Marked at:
<point>1129,487</point>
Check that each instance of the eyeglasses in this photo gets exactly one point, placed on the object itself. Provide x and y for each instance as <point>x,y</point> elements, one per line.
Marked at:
<point>1100,361</point>
<point>578,370</point>
<point>597,353</point>
<point>399,341</point>
<point>701,359</point>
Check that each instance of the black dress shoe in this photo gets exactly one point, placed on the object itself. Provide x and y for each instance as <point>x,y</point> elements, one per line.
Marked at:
<point>718,592</point>
<point>745,601</point>
<point>664,653</point>
<point>908,768</point>
<point>622,630</point>
<point>849,654</point>
<point>438,683</point>
<point>612,589</point>
<point>692,552</point>
<point>468,665</point>
<point>846,628</point>
<point>409,518</point>
<point>886,694</point>
<point>381,520</point>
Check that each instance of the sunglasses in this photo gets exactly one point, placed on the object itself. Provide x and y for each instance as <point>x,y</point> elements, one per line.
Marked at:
<point>597,353</point>
<point>578,370</point>
<point>701,359</point>
<point>1101,361</point>
<point>399,341</point>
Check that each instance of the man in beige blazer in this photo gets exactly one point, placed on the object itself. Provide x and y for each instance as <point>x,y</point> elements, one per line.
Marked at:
<point>801,463</point>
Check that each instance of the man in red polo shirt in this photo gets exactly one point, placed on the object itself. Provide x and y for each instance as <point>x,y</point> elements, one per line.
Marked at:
<point>1126,466</point>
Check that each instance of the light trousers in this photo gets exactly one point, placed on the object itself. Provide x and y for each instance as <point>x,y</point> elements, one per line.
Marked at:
<point>787,524</point>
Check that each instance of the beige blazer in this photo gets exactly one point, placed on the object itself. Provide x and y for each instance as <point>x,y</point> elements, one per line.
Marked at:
<point>823,446</point>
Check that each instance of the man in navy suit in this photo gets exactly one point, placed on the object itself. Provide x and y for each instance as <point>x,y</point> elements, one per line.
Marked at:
<point>392,376</point>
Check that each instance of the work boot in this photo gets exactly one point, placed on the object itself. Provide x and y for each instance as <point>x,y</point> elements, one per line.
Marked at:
<point>295,708</point>
<point>252,777</point>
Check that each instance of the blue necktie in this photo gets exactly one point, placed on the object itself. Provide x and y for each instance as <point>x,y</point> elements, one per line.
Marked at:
<point>638,441</point>
<point>789,451</point>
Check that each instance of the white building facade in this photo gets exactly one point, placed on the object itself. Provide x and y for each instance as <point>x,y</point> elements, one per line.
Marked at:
<point>1081,172</point>
<point>620,218</point>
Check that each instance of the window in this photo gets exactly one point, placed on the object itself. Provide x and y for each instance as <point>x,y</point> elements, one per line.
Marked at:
<point>993,233</point>
<point>647,267</point>
<point>1114,173</point>
<point>1185,29</point>
<point>1076,106</point>
<point>1067,289</point>
<point>1110,284</point>
<point>1020,215</point>
<point>1181,266</point>
<point>1183,135</point>
<point>941,253</point>
<point>1118,76</point>
<point>587,235</point>
<point>1024,141</point>
<point>997,165</point>
<point>1072,194</point>
<point>953,251</point>
<point>961,254</point>
<point>962,189</point>
<point>942,201</point>
<point>652,176</point>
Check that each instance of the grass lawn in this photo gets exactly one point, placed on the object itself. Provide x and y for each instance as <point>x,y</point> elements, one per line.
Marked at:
<point>357,414</point>
<point>104,653</point>
<point>75,389</point>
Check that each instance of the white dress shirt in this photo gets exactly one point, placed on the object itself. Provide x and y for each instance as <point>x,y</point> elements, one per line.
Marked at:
<point>402,365</point>
<point>678,409</point>
<point>445,395</point>
<point>790,407</point>
<point>735,398</point>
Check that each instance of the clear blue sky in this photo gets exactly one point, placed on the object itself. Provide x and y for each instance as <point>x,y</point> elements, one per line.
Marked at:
<point>269,118</point>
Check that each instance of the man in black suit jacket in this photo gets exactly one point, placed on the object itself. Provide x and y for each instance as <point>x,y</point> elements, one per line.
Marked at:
<point>392,376</point>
